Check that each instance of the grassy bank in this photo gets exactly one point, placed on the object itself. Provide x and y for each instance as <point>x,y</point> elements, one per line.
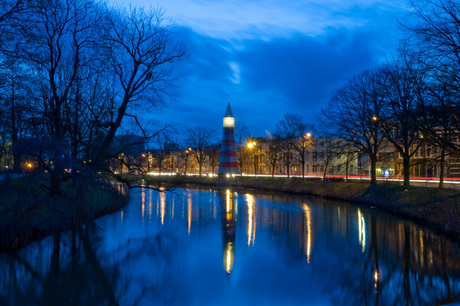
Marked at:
<point>29,212</point>
<point>437,209</point>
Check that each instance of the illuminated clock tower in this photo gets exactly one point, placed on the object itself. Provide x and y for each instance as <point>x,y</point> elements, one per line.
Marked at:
<point>228,162</point>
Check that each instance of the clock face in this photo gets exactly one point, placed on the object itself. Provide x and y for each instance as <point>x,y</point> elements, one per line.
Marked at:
<point>229,122</point>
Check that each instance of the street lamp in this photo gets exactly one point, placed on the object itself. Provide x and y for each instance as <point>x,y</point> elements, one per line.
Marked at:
<point>306,144</point>
<point>187,152</point>
<point>251,145</point>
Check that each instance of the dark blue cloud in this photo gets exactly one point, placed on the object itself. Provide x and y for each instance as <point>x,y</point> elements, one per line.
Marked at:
<point>297,75</point>
<point>204,83</point>
<point>294,75</point>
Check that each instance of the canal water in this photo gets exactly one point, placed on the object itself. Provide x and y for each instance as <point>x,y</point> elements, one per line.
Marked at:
<point>191,247</point>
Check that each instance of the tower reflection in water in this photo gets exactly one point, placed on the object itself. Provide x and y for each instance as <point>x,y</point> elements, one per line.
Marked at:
<point>229,218</point>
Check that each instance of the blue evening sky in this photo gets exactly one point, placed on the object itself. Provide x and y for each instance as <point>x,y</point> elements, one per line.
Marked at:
<point>270,57</point>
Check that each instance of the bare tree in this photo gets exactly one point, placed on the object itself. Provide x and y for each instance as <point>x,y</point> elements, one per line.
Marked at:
<point>94,68</point>
<point>241,135</point>
<point>199,139</point>
<point>16,86</point>
<point>8,10</point>
<point>304,141</point>
<point>404,89</point>
<point>354,114</point>
<point>162,145</point>
<point>289,129</point>
<point>274,152</point>
<point>141,53</point>
<point>213,153</point>
<point>184,159</point>
<point>329,150</point>
<point>438,125</point>
<point>434,38</point>
<point>57,39</point>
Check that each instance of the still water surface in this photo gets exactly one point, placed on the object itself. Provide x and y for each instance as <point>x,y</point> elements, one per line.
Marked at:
<point>235,248</point>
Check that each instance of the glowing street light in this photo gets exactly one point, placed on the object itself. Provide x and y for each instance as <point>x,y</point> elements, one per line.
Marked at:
<point>187,152</point>
<point>250,146</point>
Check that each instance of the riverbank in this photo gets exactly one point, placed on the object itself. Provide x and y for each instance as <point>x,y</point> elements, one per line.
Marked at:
<point>437,209</point>
<point>28,212</point>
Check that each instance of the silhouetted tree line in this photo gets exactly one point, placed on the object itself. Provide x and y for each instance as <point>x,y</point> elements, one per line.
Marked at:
<point>72,72</point>
<point>411,99</point>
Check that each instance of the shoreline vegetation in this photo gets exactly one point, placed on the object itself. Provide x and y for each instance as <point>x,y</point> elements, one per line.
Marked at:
<point>434,208</point>
<point>28,212</point>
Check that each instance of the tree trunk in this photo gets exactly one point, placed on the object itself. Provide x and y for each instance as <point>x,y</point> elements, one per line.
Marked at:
<point>347,165</point>
<point>14,132</point>
<point>441,173</point>
<point>288,164</point>
<point>373,170</point>
<point>303,165</point>
<point>406,169</point>
<point>101,155</point>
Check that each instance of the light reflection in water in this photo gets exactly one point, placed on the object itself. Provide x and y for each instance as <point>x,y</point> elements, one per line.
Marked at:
<point>189,214</point>
<point>376,278</point>
<point>143,204</point>
<point>228,201</point>
<point>420,233</point>
<point>235,204</point>
<point>228,257</point>
<point>158,207</point>
<point>172,209</point>
<point>162,204</point>
<point>150,204</point>
<point>361,230</point>
<point>307,213</point>
<point>251,219</point>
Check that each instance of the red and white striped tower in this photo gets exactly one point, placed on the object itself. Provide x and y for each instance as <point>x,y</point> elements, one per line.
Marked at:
<point>228,162</point>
